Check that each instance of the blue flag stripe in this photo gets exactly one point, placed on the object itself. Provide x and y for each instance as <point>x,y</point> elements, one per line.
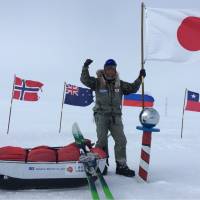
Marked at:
<point>138,97</point>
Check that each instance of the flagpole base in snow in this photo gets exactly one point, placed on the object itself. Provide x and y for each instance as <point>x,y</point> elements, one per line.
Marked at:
<point>145,151</point>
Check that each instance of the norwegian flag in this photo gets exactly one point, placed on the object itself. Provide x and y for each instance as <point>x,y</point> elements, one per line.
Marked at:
<point>26,90</point>
<point>77,96</point>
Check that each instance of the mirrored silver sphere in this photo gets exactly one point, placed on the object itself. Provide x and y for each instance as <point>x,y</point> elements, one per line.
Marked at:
<point>149,117</point>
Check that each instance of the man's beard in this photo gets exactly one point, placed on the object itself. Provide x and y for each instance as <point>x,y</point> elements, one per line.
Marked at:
<point>110,78</point>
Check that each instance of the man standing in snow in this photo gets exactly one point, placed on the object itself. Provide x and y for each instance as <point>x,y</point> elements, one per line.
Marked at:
<point>109,90</point>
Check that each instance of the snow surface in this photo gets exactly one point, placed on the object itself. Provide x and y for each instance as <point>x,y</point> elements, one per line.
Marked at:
<point>174,165</point>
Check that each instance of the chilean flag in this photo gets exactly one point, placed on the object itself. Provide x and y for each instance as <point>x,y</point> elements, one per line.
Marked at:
<point>136,100</point>
<point>193,103</point>
<point>26,90</point>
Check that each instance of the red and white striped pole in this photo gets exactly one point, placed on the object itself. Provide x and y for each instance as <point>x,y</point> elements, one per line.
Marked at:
<point>145,151</point>
<point>145,155</point>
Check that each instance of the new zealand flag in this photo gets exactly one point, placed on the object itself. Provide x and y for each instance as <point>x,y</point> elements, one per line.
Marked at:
<point>26,90</point>
<point>77,96</point>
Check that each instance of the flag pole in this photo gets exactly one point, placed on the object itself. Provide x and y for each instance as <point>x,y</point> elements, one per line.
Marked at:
<point>11,105</point>
<point>183,113</point>
<point>142,49</point>
<point>62,107</point>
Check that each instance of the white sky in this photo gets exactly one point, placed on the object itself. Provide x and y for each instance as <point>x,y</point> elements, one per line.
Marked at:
<point>48,41</point>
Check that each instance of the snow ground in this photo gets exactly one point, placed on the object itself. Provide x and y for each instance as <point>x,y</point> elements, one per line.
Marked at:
<point>174,165</point>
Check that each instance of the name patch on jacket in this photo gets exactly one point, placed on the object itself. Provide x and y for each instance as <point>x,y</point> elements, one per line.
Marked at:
<point>117,90</point>
<point>103,91</point>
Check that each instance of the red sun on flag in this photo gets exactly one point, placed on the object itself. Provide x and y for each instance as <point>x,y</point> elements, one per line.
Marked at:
<point>188,33</point>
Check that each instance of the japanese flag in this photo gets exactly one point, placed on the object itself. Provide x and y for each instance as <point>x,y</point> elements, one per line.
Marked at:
<point>172,35</point>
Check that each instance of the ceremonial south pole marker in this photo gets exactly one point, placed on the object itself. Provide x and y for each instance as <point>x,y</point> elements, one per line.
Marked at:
<point>145,151</point>
<point>149,118</point>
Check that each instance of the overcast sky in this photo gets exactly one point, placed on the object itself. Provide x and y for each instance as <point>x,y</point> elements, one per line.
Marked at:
<point>48,41</point>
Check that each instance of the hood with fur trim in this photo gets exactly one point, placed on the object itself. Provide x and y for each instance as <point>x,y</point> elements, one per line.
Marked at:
<point>101,77</point>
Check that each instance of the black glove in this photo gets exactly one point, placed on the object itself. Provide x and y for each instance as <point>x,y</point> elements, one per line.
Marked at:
<point>142,73</point>
<point>87,62</point>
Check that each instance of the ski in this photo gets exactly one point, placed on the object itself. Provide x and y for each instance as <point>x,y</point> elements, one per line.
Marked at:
<point>90,165</point>
<point>104,185</point>
<point>92,186</point>
<point>80,142</point>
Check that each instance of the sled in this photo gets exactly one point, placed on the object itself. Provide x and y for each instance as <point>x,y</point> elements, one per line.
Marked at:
<point>44,167</point>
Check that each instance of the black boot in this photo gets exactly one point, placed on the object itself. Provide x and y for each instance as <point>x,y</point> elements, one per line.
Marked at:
<point>105,171</point>
<point>122,169</point>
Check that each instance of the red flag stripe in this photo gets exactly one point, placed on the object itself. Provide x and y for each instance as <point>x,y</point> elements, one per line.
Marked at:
<point>193,106</point>
<point>137,103</point>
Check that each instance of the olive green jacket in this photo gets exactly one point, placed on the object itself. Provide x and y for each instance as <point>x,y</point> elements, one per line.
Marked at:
<point>108,93</point>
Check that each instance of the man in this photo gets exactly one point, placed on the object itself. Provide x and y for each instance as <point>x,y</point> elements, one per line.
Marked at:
<point>109,90</point>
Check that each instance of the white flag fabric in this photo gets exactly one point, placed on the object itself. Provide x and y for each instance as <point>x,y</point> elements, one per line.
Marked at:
<point>172,35</point>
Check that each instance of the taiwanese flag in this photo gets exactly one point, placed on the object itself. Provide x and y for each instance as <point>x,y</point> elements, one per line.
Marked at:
<point>136,100</point>
<point>193,103</point>
<point>26,90</point>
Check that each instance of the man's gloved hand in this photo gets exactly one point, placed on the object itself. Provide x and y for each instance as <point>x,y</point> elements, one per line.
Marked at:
<point>142,73</point>
<point>87,62</point>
